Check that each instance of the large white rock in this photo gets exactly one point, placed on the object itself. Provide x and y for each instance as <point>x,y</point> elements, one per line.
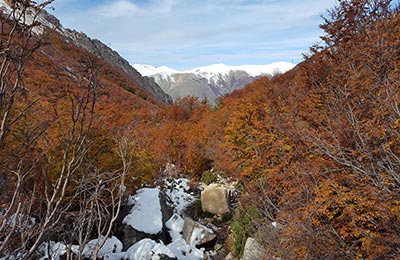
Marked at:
<point>215,199</point>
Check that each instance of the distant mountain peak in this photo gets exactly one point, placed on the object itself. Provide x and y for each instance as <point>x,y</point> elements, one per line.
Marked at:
<point>253,70</point>
<point>212,81</point>
<point>220,68</point>
<point>149,70</point>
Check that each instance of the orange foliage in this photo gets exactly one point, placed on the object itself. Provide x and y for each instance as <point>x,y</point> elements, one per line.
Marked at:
<point>317,148</point>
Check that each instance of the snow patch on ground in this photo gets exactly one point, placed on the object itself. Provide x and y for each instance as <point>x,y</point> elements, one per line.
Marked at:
<point>145,216</point>
<point>21,222</point>
<point>110,246</point>
<point>5,6</point>
<point>52,250</point>
<point>184,251</point>
<point>147,249</point>
<point>177,191</point>
<point>175,226</point>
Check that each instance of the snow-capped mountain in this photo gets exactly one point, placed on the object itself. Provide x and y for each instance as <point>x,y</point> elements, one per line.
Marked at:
<point>209,82</point>
<point>252,70</point>
<point>148,70</point>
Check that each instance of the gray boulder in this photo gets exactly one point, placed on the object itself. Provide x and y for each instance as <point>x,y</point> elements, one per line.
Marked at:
<point>253,250</point>
<point>230,256</point>
<point>198,235</point>
<point>130,236</point>
<point>215,199</point>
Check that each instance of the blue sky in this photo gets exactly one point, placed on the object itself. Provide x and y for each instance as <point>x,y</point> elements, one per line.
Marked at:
<point>183,34</point>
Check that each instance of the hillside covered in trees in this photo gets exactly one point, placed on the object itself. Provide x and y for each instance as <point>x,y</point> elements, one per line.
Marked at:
<point>316,151</point>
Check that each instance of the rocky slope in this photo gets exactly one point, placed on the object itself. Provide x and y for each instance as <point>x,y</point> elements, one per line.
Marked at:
<point>101,50</point>
<point>161,223</point>
<point>209,82</point>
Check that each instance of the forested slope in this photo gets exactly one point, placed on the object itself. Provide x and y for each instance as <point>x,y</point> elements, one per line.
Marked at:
<point>316,149</point>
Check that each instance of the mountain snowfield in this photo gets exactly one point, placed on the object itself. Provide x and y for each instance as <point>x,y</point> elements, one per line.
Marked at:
<point>211,81</point>
<point>209,71</point>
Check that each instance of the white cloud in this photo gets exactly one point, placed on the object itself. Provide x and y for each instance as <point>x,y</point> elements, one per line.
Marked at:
<point>176,31</point>
<point>116,9</point>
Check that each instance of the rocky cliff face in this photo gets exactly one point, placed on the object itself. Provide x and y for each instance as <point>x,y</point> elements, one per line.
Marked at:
<point>101,50</point>
<point>189,84</point>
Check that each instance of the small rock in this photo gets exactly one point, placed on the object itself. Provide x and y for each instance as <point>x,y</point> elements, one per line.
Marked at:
<point>218,247</point>
<point>230,256</point>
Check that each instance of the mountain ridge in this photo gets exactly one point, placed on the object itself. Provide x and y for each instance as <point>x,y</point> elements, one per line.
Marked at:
<point>254,70</point>
<point>112,57</point>
<point>209,82</point>
<point>93,46</point>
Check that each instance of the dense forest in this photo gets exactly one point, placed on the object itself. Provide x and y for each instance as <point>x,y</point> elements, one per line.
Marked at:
<point>316,150</point>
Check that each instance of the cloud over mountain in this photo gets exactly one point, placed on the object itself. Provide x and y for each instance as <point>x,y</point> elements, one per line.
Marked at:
<point>190,33</point>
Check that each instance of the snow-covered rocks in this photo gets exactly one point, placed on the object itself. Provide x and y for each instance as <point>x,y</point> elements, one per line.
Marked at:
<point>175,227</point>
<point>196,234</point>
<point>147,249</point>
<point>147,223</point>
<point>147,209</point>
<point>52,250</point>
<point>144,220</point>
<point>146,233</point>
<point>178,196</point>
<point>145,216</point>
<point>104,247</point>
<point>183,251</point>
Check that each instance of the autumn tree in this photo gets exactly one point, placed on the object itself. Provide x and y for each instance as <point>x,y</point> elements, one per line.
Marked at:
<point>48,174</point>
<point>318,148</point>
<point>361,43</point>
<point>349,124</point>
